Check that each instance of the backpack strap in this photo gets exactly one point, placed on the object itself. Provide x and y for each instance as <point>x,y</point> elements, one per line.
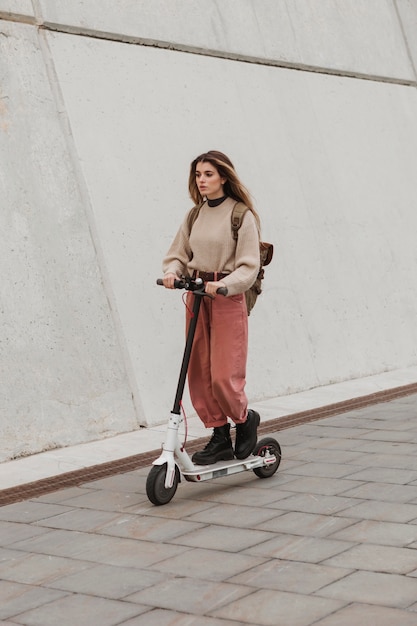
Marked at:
<point>239,211</point>
<point>192,216</point>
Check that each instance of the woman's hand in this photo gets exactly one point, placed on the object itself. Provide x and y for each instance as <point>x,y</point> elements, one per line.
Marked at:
<point>168,280</point>
<point>212,287</point>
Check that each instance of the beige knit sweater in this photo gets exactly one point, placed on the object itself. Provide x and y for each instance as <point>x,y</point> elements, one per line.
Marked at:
<point>210,247</point>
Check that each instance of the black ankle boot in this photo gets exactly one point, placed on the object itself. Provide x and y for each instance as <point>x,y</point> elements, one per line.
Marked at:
<point>219,448</point>
<point>246,435</point>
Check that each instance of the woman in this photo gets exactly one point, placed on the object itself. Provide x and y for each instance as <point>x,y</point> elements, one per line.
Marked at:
<point>217,368</point>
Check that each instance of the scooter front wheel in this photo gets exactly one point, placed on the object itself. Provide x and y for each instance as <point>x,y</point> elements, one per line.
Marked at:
<point>267,447</point>
<point>155,485</point>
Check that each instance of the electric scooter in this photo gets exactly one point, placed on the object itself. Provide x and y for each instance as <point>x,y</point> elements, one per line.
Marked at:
<point>174,461</point>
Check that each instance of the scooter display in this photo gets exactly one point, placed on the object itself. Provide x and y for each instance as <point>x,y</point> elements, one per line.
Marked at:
<point>174,461</point>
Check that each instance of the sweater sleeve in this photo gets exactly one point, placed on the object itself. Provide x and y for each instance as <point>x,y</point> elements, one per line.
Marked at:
<point>179,252</point>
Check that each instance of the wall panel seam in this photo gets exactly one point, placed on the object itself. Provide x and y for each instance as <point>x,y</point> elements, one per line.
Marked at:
<point>221,54</point>
<point>405,37</point>
<point>229,56</point>
<point>82,186</point>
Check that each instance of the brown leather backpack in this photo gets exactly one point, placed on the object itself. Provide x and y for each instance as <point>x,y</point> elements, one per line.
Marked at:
<point>266,250</point>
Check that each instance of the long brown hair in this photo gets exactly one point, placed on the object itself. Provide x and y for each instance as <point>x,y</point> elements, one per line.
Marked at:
<point>232,187</point>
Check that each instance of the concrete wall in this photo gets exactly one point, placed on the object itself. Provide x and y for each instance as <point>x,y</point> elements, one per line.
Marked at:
<point>101,111</point>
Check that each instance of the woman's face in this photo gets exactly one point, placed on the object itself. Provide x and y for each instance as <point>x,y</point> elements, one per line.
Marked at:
<point>209,181</point>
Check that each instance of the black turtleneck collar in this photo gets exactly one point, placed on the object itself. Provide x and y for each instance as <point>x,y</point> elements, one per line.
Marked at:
<point>216,201</point>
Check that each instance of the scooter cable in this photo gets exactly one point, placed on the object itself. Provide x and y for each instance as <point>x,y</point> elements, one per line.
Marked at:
<point>184,300</point>
<point>185,424</point>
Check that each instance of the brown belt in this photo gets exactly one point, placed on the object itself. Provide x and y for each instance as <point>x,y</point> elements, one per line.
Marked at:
<point>209,276</point>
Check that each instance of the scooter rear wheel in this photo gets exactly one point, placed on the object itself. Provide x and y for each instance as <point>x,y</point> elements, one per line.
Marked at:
<point>155,485</point>
<point>263,447</point>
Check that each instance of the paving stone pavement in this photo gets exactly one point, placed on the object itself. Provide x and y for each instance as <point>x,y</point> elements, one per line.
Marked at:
<point>329,540</point>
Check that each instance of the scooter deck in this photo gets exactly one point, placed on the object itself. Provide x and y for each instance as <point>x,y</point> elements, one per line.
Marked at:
<point>225,468</point>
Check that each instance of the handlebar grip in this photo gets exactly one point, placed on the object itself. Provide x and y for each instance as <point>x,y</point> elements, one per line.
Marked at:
<point>223,291</point>
<point>178,284</point>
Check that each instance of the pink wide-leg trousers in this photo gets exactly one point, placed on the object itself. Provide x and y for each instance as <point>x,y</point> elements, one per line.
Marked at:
<point>217,368</point>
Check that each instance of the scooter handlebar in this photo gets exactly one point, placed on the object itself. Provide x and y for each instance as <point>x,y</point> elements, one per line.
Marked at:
<point>181,284</point>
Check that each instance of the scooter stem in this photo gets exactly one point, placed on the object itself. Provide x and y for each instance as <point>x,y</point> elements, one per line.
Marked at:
<point>187,352</point>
